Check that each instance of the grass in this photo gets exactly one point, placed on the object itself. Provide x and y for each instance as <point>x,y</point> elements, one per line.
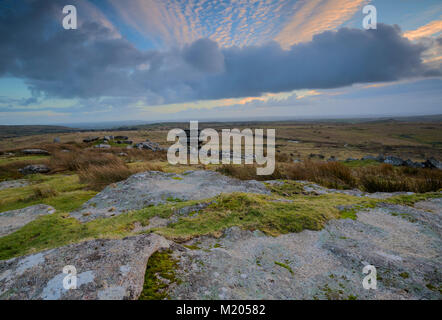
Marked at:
<point>59,229</point>
<point>64,192</point>
<point>284,266</point>
<point>160,273</point>
<point>260,212</point>
<point>98,177</point>
<point>338,175</point>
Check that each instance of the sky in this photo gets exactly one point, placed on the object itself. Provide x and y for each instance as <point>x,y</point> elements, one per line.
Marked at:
<point>169,60</point>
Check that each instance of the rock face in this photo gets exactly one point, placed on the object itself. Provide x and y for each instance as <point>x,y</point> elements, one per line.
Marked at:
<point>35,151</point>
<point>106,270</point>
<point>102,146</point>
<point>11,221</point>
<point>395,161</point>
<point>91,139</point>
<point>152,188</point>
<point>149,145</point>
<point>433,163</point>
<point>403,243</point>
<point>35,168</point>
<point>13,184</point>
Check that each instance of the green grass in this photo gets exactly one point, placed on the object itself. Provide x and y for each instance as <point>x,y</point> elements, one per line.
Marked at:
<point>410,200</point>
<point>7,160</point>
<point>59,229</point>
<point>112,143</point>
<point>64,192</point>
<point>360,163</point>
<point>161,265</point>
<point>284,266</point>
<point>260,212</point>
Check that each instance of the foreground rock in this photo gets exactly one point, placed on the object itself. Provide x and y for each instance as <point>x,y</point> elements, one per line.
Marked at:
<point>153,188</point>
<point>106,269</point>
<point>13,184</point>
<point>11,221</point>
<point>35,168</point>
<point>36,151</point>
<point>403,243</point>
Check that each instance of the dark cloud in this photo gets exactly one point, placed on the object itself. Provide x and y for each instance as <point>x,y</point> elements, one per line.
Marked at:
<point>92,62</point>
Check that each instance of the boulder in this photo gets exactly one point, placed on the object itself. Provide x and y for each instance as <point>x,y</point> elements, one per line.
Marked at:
<point>105,270</point>
<point>149,145</point>
<point>35,168</point>
<point>395,161</point>
<point>153,188</point>
<point>350,159</point>
<point>121,138</point>
<point>35,151</point>
<point>412,164</point>
<point>122,154</point>
<point>11,221</point>
<point>369,158</point>
<point>433,164</point>
<point>13,184</point>
<point>102,146</point>
<point>380,158</point>
<point>90,139</point>
<point>108,138</point>
<point>57,140</point>
<point>332,159</point>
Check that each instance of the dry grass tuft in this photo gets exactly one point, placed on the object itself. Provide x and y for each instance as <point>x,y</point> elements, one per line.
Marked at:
<point>247,172</point>
<point>98,176</point>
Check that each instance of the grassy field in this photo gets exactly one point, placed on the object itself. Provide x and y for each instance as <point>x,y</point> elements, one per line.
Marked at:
<point>79,171</point>
<point>414,140</point>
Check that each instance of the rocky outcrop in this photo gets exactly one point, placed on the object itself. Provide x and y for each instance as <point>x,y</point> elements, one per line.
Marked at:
<point>35,152</point>
<point>90,139</point>
<point>395,161</point>
<point>433,163</point>
<point>102,146</point>
<point>403,243</point>
<point>13,184</point>
<point>106,270</point>
<point>149,145</point>
<point>152,188</point>
<point>35,168</point>
<point>11,221</point>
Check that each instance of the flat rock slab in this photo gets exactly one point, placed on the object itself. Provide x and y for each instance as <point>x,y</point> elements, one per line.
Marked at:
<point>13,184</point>
<point>153,188</point>
<point>403,243</point>
<point>11,221</point>
<point>106,270</point>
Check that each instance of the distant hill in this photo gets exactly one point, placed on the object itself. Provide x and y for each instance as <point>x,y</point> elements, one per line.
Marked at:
<point>25,130</point>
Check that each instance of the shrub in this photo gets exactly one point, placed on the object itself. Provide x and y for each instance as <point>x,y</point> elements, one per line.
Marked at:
<point>247,172</point>
<point>97,177</point>
<point>81,160</point>
<point>329,174</point>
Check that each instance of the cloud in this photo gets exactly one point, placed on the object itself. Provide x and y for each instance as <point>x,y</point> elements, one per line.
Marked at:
<point>432,28</point>
<point>92,62</point>
<point>176,23</point>
<point>315,16</point>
